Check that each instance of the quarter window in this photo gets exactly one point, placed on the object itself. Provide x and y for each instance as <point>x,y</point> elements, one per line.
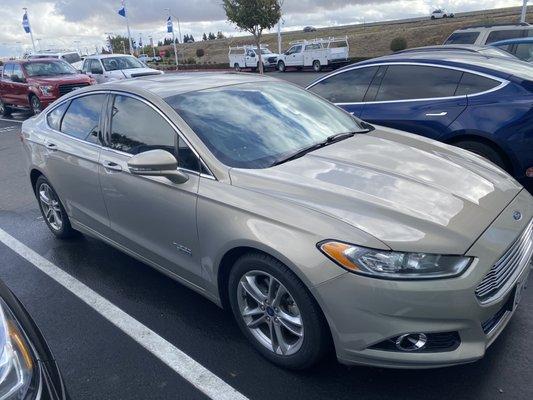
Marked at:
<point>17,71</point>
<point>82,118</point>
<point>496,36</point>
<point>406,82</point>
<point>54,117</point>
<point>524,51</point>
<point>346,87</point>
<point>471,84</point>
<point>8,71</point>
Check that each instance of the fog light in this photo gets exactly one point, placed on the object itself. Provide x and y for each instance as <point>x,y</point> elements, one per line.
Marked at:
<point>529,172</point>
<point>411,342</point>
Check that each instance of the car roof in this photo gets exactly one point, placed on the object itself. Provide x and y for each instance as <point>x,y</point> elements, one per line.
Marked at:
<point>472,48</point>
<point>168,85</point>
<point>476,28</point>
<point>496,66</point>
<point>513,41</point>
<point>100,56</point>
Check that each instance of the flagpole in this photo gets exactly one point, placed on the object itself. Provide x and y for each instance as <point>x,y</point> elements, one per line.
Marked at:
<point>173,39</point>
<point>31,30</point>
<point>524,11</point>
<point>128,26</point>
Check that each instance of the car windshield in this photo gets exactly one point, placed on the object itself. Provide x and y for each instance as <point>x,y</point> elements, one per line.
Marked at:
<point>71,57</point>
<point>49,68</point>
<point>255,125</point>
<point>116,63</point>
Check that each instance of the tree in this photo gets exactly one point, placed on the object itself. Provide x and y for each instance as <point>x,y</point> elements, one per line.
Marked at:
<point>116,43</point>
<point>398,43</point>
<point>253,16</point>
<point>220,35</point>
<point>204,38</point>
<point>200,53</point>
<point>211,36</point>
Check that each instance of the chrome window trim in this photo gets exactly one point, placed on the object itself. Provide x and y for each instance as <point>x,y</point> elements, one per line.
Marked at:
<point>149,104</point>
<point>503,82</point>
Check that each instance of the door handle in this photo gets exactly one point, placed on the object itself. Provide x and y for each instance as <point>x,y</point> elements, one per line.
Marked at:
<point>440,114</point>
<point>113,166</point>
<point>51,146</point>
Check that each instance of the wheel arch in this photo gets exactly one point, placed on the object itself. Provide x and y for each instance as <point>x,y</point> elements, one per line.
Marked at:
<point>34,175</point>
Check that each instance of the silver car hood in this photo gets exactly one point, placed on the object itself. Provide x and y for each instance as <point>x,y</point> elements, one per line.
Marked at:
<point>411,193</point>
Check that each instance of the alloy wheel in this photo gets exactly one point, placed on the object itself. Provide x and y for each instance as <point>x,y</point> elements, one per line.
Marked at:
<point>50,206</point>
<point>270,313</point>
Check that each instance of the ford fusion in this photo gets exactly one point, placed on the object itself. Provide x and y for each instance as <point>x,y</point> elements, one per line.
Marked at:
<point>317,230</point>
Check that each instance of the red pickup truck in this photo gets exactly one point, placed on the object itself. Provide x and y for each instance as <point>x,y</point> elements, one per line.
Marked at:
<point>34,84</point>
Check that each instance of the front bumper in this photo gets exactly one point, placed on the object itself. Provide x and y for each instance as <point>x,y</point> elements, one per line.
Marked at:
<point>363,312</point>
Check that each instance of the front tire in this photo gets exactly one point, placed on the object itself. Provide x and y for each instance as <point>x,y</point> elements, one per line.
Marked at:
<point>275,311</point>
<point>484,151</point>
<point>35,105</point>
<point>237,67</point>
<point>5,111</point>
<point>52,210</point>
<point>281,66</point>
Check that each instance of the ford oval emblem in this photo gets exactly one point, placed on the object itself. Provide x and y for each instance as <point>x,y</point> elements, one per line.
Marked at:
<point>517,215</point>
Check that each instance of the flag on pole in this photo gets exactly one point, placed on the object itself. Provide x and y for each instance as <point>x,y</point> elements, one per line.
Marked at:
<point>169,24</point>
<point>26,23</point>
<point>122,10</point>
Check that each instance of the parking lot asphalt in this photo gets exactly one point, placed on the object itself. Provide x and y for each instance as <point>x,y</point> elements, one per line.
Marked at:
<point>103,356</point>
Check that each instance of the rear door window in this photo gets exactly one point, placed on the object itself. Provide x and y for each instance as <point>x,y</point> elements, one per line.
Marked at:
<point>409,82</point>
<point>346,87</point>
<point>462,38</point>
<point>17,71</point>
<point>472,84</point>
<point>82,119</point>
<point>8,71</point>
<point>524,51</point>
<point>496,36</point>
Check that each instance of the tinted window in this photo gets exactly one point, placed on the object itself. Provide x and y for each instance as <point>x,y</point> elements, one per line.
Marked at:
<point>186,158</point>
<point>95,67</point>
<point>54,118</point>
<point>524,51</point>
<point>496,36</point>
<point>71,57</point>
<point>17,71</point>
<point>462,38</point>
<point>253,125</point>
<point>403,82</point>
<point>346,87</point>
<point>82,117</point>
<point>471,83</point>
<point>136,127</point>
<point>8,71</point>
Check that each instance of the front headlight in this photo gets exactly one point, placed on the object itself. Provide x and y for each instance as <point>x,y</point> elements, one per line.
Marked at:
<point>392,264</point>
<point>46,90</point>
<point>17,364</point>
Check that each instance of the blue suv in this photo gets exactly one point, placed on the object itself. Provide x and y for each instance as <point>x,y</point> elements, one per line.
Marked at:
<point>480,103</point>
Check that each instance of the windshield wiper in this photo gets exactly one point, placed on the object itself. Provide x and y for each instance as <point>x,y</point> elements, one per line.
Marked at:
<point>329,140</point>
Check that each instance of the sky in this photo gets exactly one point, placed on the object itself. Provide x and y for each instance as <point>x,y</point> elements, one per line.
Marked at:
<point>83,24</point>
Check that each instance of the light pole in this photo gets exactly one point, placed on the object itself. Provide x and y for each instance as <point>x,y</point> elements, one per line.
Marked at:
<point>152,44</point>
<point>77,43</point>
<point>123,47</point>
<point>39,44</point>
<point>173,35</point>
<point>524,11</point>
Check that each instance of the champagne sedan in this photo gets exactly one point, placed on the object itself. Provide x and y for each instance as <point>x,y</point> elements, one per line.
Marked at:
<point>319,231</point>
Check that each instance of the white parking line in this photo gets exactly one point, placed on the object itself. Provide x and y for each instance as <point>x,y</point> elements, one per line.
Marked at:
<point>199,376</point>
<point>11,120</point>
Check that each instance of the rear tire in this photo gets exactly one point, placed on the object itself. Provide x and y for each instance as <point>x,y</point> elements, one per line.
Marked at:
<point>5,111</point>
<point>316,66</point>
<point>281,66</point>
<point>286,326</point>
<point>35,105</point>
<point>237,67</point>
<point>484,151</point>
<point>52,210</point>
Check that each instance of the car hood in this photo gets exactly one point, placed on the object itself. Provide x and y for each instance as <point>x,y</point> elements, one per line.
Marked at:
<point>411,193</point>
<point>135,72</point>
<point>60,79</point>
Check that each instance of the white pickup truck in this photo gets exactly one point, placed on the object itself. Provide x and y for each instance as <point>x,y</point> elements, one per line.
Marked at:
<point>316,53</point>
<point>247,57</point>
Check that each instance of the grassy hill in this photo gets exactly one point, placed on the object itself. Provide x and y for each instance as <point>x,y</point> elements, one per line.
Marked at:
<point>366,40</point>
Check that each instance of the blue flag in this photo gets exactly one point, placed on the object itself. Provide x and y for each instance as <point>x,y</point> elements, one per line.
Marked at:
<point>169,25</point>
<point>122,12</point>
<point>26,23</point>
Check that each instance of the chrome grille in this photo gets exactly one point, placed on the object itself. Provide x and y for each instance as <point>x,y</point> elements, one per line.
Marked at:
<point>512,262</point>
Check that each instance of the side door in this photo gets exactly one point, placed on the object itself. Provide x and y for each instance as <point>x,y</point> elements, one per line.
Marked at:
<point>150,216</point>
<point>346,89</point>
<point>7,86</point>
<point>415,98</point>
<point>251,59</point>
<point>19,87</point>
<point>72,145</point>
<point>294,56</point>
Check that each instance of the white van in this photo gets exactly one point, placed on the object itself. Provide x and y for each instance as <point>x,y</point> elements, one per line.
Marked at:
<point>485,34</point>
<point>247,57</point>
<point>315,53</point>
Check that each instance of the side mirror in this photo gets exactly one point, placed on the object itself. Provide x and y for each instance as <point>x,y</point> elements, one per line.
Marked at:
<point>157,163</point>
<point>18,79</point>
